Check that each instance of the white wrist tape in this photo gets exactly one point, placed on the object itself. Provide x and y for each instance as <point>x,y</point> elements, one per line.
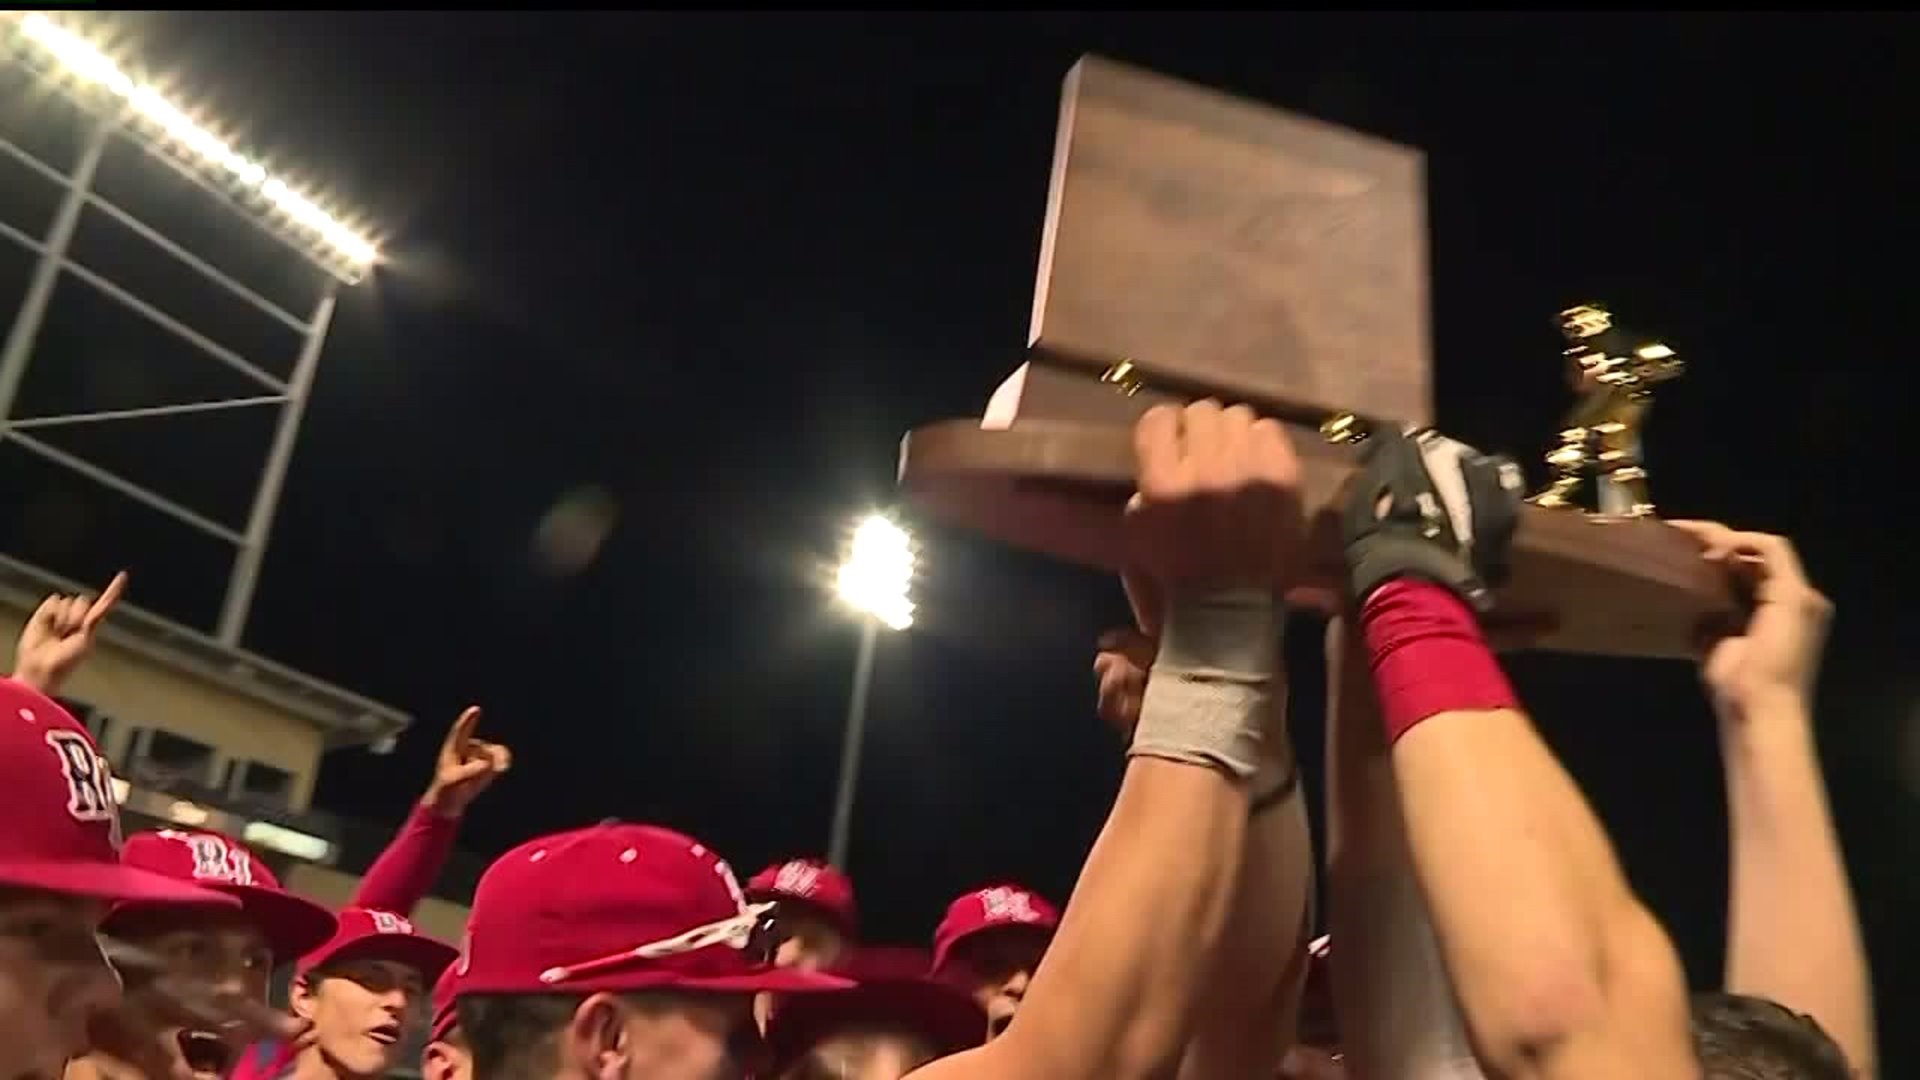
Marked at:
<point>1213,683</point>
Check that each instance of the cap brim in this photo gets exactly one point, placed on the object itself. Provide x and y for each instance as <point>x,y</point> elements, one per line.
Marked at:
<point>446,1000</point>
<point>743,978</point>
<point>109,881</point>
<point>766,980</point>
<point>293,925</point>
<point>443,1025</point>
<point>421,953</point>
<point>943,953</point>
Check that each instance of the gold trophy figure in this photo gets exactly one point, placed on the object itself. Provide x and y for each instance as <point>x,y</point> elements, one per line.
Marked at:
<point>1614,373</point>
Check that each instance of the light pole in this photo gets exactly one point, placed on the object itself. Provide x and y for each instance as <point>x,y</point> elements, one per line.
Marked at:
<point>127,107</point>
<point>874,581</point>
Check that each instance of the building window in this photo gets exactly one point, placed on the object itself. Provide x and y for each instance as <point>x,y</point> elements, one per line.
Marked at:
<point>96,722</point>
<point>166,760</point>
<point>261,785</point>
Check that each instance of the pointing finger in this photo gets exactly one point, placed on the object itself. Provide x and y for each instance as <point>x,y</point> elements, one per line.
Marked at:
<point>102,607</point>
<point>462,732</point>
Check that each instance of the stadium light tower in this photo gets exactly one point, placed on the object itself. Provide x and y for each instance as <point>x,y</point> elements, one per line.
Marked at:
<point>875,581</point>
<point>121,104</point>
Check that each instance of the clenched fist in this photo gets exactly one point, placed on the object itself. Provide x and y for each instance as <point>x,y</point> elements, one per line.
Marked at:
<point>1218,505</point>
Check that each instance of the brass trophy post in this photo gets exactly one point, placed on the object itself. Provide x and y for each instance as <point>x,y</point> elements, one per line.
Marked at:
<point>1200,245</point>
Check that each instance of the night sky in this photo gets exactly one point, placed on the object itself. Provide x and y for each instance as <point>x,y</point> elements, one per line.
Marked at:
<point>715,266</point>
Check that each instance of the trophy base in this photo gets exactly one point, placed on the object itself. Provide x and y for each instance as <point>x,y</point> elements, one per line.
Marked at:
<point>1581,583</point>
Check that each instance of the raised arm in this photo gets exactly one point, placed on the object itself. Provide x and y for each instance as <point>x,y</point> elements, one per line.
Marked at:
<point>1792,935</point>
<point>1250,998</point>
<point>406,869</point>
<point>59,635</point>
<point>1560,971</point>
<point>1215,525</point>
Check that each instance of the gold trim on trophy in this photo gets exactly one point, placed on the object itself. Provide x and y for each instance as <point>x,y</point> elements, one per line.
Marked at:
<point>1614,374</point>
<point>1123,377</point>
<point>1343,428</point>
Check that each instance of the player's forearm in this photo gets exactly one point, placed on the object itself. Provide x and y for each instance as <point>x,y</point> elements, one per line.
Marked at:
<point>1162,875</point>
<point>1114,997</point>
<point>1558,969</point>
<point>1559,963</point>
<point>1250,996</point>
<point>1556,965</point>
<point>1396,1007</point>
<point>1159,879</point>
<point>1792,932</point>
<point>405,870</point>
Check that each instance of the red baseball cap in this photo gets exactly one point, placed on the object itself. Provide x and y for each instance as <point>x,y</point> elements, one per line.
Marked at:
<point>618,907</point>
<point>894,991</point>
<point>63,829</point>
<point>994,909</point>
<point>293,925</point>
<point>810,884</point>
<point>371,934</point>
<point>445,1015</point>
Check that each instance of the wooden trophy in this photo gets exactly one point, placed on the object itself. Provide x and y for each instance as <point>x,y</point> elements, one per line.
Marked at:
<point>1197,245</point>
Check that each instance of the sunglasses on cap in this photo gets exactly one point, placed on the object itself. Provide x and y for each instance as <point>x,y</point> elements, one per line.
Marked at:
<point>755,931</point>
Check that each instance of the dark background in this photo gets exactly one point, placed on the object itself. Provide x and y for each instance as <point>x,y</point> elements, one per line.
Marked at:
<point>715,266</point>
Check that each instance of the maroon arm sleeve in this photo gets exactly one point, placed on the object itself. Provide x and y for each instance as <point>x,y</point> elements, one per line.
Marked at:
<point>405,872</point>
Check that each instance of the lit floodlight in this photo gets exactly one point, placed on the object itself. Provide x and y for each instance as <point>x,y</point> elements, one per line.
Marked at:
<point>90,65</point>
<point>878,571</point>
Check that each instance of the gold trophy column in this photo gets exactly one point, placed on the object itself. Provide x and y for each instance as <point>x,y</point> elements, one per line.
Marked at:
<point>1614,373</point>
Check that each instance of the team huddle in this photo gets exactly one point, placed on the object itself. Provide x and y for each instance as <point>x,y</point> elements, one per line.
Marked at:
<point>1480,924</point>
